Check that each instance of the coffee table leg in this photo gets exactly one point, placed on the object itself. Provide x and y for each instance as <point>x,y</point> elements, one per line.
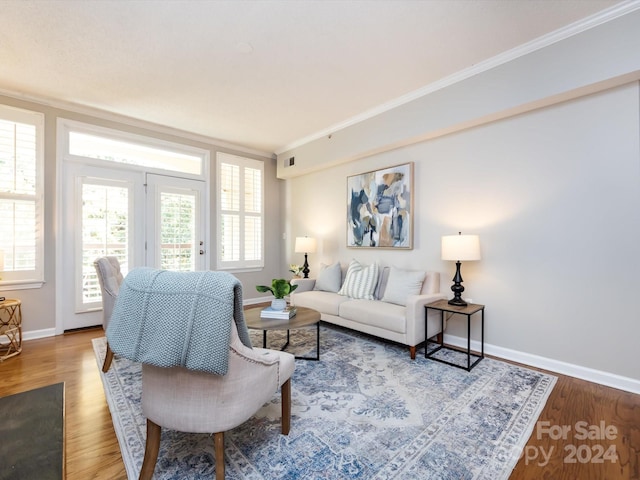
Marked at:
<point>317,357</point>
<point>286,344</point>
<point>264,339</point>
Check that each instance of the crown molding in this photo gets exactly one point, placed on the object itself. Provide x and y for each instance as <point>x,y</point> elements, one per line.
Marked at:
<point>556,36</point>
<point>132,122</point>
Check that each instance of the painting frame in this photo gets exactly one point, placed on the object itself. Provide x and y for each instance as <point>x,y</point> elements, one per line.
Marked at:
<point>380,207</point>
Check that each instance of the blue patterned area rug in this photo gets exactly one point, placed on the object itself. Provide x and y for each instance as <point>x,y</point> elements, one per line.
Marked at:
<point>364,411</point>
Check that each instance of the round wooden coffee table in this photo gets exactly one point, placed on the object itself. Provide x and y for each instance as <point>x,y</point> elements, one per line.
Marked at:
<point>304,317</point>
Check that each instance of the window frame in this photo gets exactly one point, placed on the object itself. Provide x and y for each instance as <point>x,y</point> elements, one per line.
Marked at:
<point>241,265</point>
<point>67,127</point>
<point>26,279</point>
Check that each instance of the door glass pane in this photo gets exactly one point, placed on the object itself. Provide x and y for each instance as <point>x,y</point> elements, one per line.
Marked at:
<point>177,231</point>
<point>105,231</point>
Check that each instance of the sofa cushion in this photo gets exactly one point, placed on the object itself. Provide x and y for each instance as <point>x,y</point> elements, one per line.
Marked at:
<point>401,284</point>
<point>360,282</point>
<point>376,314</point>
<point>324,302</point>
<point>382,283</point>
<point>329,279</point>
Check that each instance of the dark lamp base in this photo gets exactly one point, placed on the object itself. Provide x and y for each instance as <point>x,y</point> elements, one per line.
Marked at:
<point>457,289</point>
<point>458,302</point>
<point>305,267</point>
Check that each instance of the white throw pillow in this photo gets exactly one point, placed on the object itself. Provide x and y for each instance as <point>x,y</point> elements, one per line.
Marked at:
<point>360,282</point>
<point>329,278</point>
<point>401,284</point>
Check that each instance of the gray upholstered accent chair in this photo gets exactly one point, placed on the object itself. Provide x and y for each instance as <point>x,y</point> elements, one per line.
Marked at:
<point>201,402</point>
<point>110,278</point>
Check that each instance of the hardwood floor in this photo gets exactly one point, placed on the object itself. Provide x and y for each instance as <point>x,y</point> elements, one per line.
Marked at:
<point>578,407</point>
<point>92,450</point>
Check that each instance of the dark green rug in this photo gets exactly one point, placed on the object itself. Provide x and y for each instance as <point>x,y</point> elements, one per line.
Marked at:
<point>32,434</point>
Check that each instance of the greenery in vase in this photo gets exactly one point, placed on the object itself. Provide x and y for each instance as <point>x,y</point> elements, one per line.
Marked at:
<point>295,269</point>
<point>279,288</point>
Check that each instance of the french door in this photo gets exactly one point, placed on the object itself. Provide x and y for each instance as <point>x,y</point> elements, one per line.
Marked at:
<point>142,219</point>
<point>175,223</point>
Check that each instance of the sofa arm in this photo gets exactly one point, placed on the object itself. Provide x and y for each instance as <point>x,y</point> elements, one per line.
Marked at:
<point>415,317</point>
<point>304,284</point>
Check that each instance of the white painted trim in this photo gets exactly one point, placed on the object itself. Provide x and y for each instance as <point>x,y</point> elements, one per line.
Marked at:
<point>132,122</point>
<point>23,285</point>
<point>35,334</point>
<point>604,16</point>
<point>596,376</point>
<point>256,301</point>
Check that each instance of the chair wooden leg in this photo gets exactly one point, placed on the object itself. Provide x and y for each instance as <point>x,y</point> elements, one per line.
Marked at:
<point>286,406</point>
<point>218,450</point>
<point>150,451</point>
<point>107,359</point>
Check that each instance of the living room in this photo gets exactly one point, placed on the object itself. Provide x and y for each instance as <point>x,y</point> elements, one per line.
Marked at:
<point>537,154</point>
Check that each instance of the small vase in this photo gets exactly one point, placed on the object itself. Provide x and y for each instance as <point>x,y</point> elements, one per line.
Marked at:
<point>279,304</point>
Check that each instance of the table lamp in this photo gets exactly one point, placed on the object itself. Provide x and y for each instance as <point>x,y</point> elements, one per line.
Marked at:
<point>305,245</point>
<point>460,248</point>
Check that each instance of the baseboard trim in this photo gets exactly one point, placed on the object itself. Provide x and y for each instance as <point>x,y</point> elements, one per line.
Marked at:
<point>34,334</point>
<point>256,301</point>
<point>596,376</point>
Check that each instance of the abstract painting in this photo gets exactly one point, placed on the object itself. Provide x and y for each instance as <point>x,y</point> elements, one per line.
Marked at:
<point>379,208</point>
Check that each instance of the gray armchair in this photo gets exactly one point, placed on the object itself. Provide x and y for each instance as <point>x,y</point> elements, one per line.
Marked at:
<point>110,279</point>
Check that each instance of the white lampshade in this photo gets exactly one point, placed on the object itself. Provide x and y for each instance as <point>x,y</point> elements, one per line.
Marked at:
<point>305,245</point>
<point>460,247</point>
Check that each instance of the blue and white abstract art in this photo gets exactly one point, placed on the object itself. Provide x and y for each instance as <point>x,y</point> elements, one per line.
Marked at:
<point>379,208</point>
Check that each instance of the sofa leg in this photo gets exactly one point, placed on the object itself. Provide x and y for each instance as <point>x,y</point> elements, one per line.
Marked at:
<point>412,352</point>
<point>439,338</point>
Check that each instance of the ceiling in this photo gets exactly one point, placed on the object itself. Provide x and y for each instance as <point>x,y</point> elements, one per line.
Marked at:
<point>262,74</point>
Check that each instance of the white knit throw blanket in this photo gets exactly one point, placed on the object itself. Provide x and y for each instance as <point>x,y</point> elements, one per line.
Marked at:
<point>171,319</point>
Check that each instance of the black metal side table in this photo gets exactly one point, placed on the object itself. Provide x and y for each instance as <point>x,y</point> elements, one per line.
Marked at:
<point>443,306</point>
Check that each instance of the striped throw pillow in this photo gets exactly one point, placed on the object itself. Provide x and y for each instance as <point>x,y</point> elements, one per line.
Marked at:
<point>360,282</point>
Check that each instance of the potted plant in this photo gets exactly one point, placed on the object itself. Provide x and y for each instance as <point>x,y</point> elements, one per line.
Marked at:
<point>296,270</point>
<point>279,289</point>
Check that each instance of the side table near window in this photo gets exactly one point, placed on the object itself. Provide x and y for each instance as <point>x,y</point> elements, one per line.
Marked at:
<point>443,306</point>
<point>10,328</point>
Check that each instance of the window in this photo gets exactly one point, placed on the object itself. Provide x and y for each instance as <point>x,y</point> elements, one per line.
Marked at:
<point>133,150</point>
<point>21,198</point>
<point>240,210</point>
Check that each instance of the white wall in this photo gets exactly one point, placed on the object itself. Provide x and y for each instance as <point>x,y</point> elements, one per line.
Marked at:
<point>554,195</point>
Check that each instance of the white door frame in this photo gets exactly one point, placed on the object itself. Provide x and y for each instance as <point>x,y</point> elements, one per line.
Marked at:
<point>69,213</point>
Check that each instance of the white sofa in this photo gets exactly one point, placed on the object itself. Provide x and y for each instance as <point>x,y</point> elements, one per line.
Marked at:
<point>399,317</point>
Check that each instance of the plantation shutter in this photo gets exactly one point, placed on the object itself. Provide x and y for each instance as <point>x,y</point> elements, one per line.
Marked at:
<point>21,192</point>
<point>240,212</point>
